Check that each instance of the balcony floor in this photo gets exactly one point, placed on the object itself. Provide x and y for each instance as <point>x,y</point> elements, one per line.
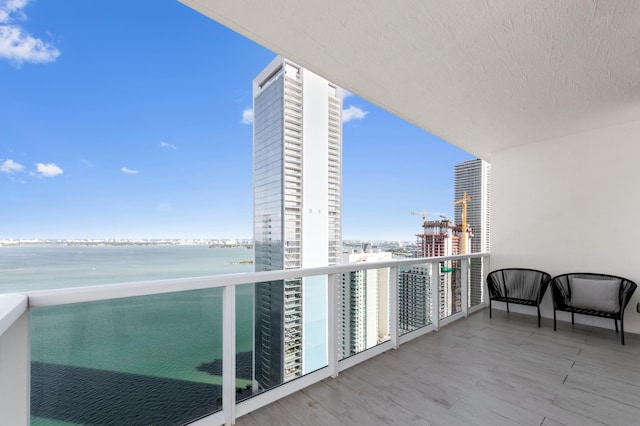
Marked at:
<point>500,371</point>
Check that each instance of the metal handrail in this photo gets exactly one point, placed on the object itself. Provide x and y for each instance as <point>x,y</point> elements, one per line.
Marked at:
<point>63,296</point>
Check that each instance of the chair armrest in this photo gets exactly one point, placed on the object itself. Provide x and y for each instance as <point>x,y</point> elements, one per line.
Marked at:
<point>561,293</point>
<point>628,288</point>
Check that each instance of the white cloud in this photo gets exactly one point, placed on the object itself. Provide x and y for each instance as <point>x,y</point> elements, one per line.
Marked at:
<point>164,207</point>
<point>48,170</point>
<point>7,7</point>
<point>353,113</point>
<point>129,171</point>
<point>10,166</point>
<point>247,116</point>
<point>167,145</point>
<point>346,94</point>
<point>16,45</point>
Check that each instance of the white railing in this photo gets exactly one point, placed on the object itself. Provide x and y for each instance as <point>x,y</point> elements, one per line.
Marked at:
<point>14,328</point>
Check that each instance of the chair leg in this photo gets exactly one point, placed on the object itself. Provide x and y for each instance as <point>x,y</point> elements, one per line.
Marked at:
<point>554,319</point>
<point>538,316</point>
<point>507,307</point>
<point>616,323</point>
<point>572,322</point>
<point>490,309</point>
<point>622,328</point>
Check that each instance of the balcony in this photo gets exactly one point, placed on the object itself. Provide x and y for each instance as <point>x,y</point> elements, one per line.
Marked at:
<point>123,314</point>
<point>473,370</point>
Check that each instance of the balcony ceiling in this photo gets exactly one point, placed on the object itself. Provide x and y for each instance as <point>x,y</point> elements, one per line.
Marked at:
<point>483,75</point>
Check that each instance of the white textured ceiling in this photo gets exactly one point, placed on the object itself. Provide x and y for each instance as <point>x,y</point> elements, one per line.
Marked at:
<point>483,75</point>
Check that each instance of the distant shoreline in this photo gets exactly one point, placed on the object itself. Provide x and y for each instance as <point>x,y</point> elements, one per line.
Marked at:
<point>121,243</point>
<point>398,248</point>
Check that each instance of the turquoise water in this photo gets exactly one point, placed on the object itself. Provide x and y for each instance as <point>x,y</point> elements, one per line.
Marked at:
<point>141,360</point>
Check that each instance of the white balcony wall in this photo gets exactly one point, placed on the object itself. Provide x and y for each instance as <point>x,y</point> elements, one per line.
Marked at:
<point>569,205</point>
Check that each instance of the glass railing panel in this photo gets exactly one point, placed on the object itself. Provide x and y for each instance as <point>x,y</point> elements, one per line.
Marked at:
<point>415,290</point>
<point>363,310</point>
<point>450,288</point>
<point>290,330</point>
<point>244,341</point>
<point>139,360</point>
<point>476,283</point>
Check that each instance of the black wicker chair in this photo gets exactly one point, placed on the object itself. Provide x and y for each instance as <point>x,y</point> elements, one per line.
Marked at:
<point>564,299</point>
<point>517,285</point>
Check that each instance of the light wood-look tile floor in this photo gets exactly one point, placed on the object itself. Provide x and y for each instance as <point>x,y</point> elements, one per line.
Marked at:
<point>480,371</point>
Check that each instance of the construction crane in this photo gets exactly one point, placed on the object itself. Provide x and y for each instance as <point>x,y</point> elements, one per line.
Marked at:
<point>465,198</point>
<point>425,214</point>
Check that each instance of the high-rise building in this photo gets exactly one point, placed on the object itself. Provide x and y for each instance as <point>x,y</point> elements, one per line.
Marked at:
<point>443,238</point>
<point>414,298</point>
<point>364,304</point>
<point>474,178</point>
<point>297,162</point>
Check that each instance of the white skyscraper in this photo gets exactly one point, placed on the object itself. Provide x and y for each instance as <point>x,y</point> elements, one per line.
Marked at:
<point>297,148</point>
<point>364,304</point>
<point>474,178</point>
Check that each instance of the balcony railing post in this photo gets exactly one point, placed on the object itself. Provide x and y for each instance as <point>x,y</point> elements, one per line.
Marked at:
<point>393,306</point>
<point>15,361</point>
<point>464,285</point>
<point>435,294</point>
<point>486,268</point>
<point>333,344</point>
<point>229,354</point>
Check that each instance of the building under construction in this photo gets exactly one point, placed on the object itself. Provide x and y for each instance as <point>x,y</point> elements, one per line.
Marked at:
<point>439,238</point>
<point>444,238</point>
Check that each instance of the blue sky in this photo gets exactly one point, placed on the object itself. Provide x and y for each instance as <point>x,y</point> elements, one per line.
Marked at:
<point>131,119</point>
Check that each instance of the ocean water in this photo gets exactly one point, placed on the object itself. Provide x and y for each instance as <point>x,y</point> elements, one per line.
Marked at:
<point>140,360</point>
<point>44,267</point>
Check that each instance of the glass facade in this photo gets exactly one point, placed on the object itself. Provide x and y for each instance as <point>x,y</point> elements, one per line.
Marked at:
<point>268,176</point>
<point>268,231</point>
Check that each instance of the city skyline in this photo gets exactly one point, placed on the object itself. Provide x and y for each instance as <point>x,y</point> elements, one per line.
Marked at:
<point>146,133</point>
